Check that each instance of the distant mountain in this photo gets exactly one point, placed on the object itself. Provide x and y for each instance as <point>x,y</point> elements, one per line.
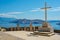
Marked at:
<point>7,22</point>
<point>37,21</point>
<point>13,20</point>
<point>27,21</point>
<point>19,21</point>
<point>3,19</point>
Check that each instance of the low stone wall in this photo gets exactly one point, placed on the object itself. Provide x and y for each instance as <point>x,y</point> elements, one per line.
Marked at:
<point>22,29</point>
<point>57,31</point>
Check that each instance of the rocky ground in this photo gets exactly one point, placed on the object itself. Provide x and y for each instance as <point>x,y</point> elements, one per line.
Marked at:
<point>4,36</point>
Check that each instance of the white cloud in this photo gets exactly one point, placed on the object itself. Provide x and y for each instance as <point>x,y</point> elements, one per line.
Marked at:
<point>10,14</point>
<point>51,9</point>
<point>55,9</point>
<point>13,13</point>
<point>35,10</point>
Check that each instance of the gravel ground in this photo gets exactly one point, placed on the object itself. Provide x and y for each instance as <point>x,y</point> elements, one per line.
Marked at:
<point>26,35</point>
<point>4,36</point>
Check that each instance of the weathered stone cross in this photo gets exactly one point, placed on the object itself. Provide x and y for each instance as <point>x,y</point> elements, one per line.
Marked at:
<point>45,8</point>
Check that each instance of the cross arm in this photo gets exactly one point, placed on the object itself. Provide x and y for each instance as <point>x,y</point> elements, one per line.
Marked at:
<point>46,8</point>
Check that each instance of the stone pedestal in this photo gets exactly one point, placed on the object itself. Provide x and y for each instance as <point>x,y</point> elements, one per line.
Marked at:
<point>46,25</point>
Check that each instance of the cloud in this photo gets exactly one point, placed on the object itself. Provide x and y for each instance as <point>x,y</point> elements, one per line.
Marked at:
<point>10,14</point>
<point>55,9</point>
<point>51,9</point>
<point>13,13</point>
<point>35,10</point>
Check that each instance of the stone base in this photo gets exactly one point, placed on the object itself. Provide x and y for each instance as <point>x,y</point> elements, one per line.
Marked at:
<point>46,25</point>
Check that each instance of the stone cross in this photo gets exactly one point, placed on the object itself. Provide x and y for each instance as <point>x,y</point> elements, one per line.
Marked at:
<point>45,8</point>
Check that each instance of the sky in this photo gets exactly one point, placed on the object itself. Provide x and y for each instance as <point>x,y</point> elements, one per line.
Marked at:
<point>29,9</point>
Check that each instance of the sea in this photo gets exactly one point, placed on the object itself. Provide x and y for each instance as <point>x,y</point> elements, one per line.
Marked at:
<point>7,25</point>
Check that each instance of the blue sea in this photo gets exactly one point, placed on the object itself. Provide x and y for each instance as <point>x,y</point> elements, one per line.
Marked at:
<point>7,25</point>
